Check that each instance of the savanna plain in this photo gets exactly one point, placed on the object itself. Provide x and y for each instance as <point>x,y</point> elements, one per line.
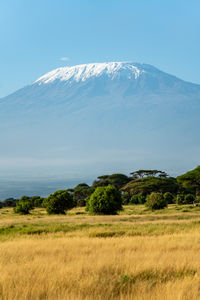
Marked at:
<point>137,254</point>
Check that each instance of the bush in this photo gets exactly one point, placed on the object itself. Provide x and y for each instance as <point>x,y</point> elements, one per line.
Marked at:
<point>156,201</point>
<point>81,203</point>
<point>189,199</point>
<point>37,201</point>
<point>10,202</point>
<point>58,202</point>
<point>134,199</point>
<point>185,199</point>
<point>138,199</point>
<point>23,206</point>
<point>169,197</point>
<point>80,193</point>
<point>1,204</point>
<point>180,199</point>
<point>197,200</point>
<point>125,198</point>
<point>105,200</point>
<point>141,198</point>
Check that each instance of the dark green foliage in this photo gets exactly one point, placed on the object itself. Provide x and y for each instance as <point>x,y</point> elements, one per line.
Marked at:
<point>151,184</point>
<point>37,201</point>
<point>58,202</point>
<point>81,202</point>
<point>23,206</point>
<point>134,199</point>
<point>80,193</point>
<point>45,202</point>
<point>125,198</point>
<point>197,200</point>
<point>105,200</point>
<point>117,180</point>
<point>180,199</point>
<point>169,197</point>
<point>141,198</point>
<point>185,199</point>
<point>147,173</point>
<point>1,204</point>
<point>10,202</point>
<point>138,199</point>
<point>189,199</point>
<point>191,179</point>
<point>156,201</point>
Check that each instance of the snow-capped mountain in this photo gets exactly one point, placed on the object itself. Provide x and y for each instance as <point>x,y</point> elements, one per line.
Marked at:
<point>86,71</point>
<point>101,117</point>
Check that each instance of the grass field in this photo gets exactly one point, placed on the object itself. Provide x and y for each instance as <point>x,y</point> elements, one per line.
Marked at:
<point>137,254</point>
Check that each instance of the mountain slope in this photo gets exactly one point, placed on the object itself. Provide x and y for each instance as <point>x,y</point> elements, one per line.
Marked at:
<point>101,117</point>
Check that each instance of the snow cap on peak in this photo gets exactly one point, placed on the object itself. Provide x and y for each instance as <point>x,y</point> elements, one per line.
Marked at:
<point>85,71</point>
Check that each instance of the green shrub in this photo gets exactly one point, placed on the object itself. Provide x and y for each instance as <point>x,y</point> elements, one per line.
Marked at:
<point>189,199</point>
<point>23,206</point>
<point>80,193</point>
<point>169,197</point>
<point>58,202</point>
<point>156,201</point>
<point>134,199</point>
<point>105,200</point>
<point>81,202</point>
<point>125,198</point>
<point>141,198</point>
<point>37,201</point>
<point>197,200</point>
<point>138,199</point>
<point>180,199</point>
<point>1,204</point>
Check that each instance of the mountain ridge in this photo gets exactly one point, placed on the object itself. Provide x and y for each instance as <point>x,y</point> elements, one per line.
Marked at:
<point>108,121</point>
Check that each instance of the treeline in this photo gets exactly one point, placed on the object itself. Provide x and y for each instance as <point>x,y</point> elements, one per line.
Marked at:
<point>108,193</point>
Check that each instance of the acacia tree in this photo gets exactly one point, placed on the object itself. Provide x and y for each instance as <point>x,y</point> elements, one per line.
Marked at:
<point>191,179</point>
<point>117,180</point>
<point>146,173</point>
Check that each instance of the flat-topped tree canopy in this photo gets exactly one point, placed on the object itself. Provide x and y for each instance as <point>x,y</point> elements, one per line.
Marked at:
<point>117,180</point>
<point>147,185</point>
<point>146,173</point>
<point>191,179</point>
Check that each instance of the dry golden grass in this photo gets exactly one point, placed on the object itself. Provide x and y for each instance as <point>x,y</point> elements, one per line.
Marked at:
<point>76,265</point>
<point>165,267</point>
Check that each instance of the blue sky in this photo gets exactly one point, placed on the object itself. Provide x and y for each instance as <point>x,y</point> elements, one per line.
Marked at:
<point>36,34</point>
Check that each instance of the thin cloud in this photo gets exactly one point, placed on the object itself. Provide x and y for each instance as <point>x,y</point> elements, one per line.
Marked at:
<point>64,58</point>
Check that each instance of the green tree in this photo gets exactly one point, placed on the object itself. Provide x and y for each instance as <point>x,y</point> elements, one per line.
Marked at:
<point>81,192</point>
<point>9,202</point>
<point>180,199</point>
<point>37,201</point>
<point>150,184</point>
<point>189,199</point>
<point>23,206</point>
<point>105,200</point>
<point>146,173</point>
<point>125,198</point>
<point>117,180</point>
<point>169,197</point>
<point>58,202</point>
<point>138,199</point>
<point>156,201</point>
<point>191,179</point>
<point>134,199</point>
